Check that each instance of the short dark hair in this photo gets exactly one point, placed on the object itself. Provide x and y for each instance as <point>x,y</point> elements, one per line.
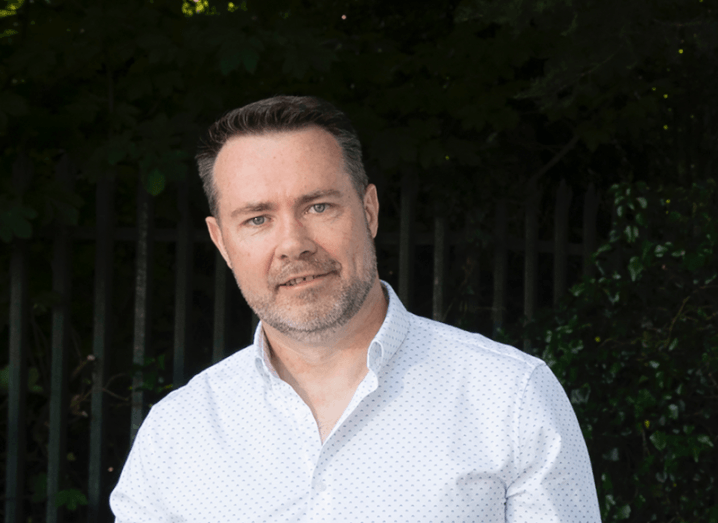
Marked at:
<point>278,114</point>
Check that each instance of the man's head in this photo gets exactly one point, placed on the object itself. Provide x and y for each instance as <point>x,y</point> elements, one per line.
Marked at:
<point>280,114</point>
<point>292,223</point>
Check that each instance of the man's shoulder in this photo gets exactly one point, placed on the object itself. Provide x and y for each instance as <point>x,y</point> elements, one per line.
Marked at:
<point>228,377</point>
<point>452,342</point>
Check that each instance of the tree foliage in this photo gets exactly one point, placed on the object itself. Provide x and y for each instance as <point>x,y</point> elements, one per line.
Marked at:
<point>596,90</point>
<point>637,350</point>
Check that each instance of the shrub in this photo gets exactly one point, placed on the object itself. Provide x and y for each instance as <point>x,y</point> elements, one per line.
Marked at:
<point>637,350</point>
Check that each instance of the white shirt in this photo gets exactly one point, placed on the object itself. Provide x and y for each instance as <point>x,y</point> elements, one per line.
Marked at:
<point>446,426</point>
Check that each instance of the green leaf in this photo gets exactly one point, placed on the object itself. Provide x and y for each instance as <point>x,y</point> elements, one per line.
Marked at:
<point>673,411</point>
<point>694,261</point>
<point>70,499</point>
<point>15,221</point>
<point>661,250</point>
<point>624,512</point>
<point>635,267</point>
<point>155,183</point>
<point>631,232</point>
<point>705,440</point>
<point>659,440</point>
<point>39,487</point>
<point>250,58</point>
<point>33,376</point>
<point>612,455</point>
<point>580,396</point>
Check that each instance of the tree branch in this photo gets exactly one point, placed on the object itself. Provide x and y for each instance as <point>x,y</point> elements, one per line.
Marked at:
<point>553,161</point>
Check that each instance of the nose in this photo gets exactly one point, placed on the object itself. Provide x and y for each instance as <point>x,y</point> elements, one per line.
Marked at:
<point>295,241</point>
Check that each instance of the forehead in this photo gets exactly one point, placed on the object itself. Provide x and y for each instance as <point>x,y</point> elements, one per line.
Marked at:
<point>277,165</point>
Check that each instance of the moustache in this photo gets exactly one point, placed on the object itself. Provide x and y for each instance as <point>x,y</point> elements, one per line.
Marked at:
<point>298,268</point>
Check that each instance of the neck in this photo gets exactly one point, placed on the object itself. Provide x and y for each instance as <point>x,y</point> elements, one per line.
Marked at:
<point>338,356</point>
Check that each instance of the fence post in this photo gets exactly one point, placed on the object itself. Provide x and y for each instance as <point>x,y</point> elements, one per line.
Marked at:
<point>560,254</point>
<point>17,386</point>
<point>183,284</point>
<point>440,251</point>
<point>531,256</point>
<point>104,252</point>
<point>500,260</point>
<point>406,240</point>
<point>57,448</point>
<point>17,373</point>
<point>143,277</point>
<point>590,208</point>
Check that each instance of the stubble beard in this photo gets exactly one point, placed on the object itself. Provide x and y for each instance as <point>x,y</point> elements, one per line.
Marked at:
<point>317,317</point>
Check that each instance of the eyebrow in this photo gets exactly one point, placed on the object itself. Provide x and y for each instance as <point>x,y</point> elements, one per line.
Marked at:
<point>316,195</point>
<point>255,207</point>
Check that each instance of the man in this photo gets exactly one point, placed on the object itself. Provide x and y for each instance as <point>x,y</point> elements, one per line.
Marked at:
<point>346,407</point>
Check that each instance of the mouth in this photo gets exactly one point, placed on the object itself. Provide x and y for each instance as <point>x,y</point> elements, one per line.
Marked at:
<point>301,279</point>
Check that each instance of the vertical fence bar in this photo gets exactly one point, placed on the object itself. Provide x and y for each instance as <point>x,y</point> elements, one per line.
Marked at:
<point>531,256</point>
<point>142,305</point>
<point>560,252</point>
<point>590,208</point>
<point>57,448</point>
<point>104,252</point>
<point>17,370</point>
<point>183,285</point>
<point>406,240</point>
<point>441,245</point>
<point>500,260</point>
<point>17,387</point>
<point>221,302</point>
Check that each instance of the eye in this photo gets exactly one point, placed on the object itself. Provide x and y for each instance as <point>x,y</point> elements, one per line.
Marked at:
<point>257,220</point>
<point>319,207</point>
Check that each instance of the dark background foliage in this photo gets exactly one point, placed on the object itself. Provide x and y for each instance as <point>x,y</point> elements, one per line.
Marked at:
<point>637,349</point>
<point>474,100</point>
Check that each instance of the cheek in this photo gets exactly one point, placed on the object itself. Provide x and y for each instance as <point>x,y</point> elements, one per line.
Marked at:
<point>248,259</point>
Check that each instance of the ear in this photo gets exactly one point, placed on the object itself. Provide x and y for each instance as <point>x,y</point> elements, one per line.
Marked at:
<point>215,232</point>
<point>371,208</point>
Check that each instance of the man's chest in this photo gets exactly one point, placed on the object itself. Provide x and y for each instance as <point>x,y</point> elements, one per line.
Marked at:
<point>377,466</point>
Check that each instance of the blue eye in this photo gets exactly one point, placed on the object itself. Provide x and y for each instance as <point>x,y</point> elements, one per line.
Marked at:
<point>257,220</point>
<point>319,207</point>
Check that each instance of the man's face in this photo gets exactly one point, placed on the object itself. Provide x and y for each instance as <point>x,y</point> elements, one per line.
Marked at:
<point>294,231</point>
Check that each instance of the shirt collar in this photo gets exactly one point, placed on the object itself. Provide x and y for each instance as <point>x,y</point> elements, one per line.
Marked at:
<point>387,341</point>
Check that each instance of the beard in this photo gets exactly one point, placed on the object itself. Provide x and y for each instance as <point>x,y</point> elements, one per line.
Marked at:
<point>313,315</point>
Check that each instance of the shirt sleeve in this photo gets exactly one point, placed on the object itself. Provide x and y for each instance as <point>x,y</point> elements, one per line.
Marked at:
<point>555,481</point>
<point>136,499</point>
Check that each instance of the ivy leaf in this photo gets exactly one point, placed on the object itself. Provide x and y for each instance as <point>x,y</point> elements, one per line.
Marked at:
<point>661,250</point>
<point>624,512</point>
<point>580,396</point>
<point>705,440</point>
<point>155,183</point>
<point>250,57</point>
<point>39,487</point>
<point>15,221</point>
<point>635,267</point>
<point>70,499</point>
<point>631,232</point>
<point>659,440</point>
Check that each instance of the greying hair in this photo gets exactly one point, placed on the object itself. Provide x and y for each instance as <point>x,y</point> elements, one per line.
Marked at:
<point>280,114</point>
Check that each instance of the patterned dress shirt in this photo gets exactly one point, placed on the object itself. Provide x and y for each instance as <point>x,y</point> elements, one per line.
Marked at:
<point>447,426</point>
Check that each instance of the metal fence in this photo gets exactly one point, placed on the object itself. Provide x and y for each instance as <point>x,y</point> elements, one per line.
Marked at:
<point>144,235</point>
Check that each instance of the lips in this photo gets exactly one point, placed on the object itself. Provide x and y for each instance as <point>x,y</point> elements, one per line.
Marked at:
<point>301,279</point>
<point>297,273</point>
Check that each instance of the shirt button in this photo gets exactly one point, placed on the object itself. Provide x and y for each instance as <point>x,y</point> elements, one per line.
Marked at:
<point>319,486</point>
